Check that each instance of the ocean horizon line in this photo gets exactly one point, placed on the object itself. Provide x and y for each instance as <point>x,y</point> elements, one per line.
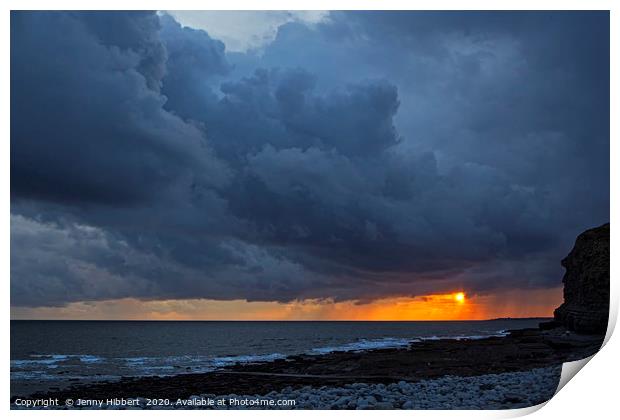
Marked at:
<point>283,320</point>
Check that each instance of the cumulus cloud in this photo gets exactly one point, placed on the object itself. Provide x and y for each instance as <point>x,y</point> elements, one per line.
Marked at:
<point>87,120</point>
<point>363,156</point>
<point>245,30</point>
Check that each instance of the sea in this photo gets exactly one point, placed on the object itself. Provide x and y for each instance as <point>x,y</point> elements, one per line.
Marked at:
<point>55,354</point>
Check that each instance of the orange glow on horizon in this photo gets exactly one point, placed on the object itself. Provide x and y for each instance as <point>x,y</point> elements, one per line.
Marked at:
<point>432,307</point>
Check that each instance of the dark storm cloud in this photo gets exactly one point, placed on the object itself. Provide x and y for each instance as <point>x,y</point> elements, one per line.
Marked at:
<point>195,61</point>
<point>87,121</point>
<point>371,155</point>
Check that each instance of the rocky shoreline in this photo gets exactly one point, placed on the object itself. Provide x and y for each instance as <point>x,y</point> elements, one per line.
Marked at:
<point>519,370</point>
<point>495,391</point>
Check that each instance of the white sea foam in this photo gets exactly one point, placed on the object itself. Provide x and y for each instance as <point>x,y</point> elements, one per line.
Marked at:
<point>90,359</point>
<point>365,344</point>
<point>194,364</point>
<point>231,360</point>
<point>49,360</point>
<point>32,374</point>
<point>391,342</point>
<point>500,333</point>
<point>84,358</point>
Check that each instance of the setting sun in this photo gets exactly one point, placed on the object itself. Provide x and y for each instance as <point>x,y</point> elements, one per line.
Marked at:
<point>459,297</point>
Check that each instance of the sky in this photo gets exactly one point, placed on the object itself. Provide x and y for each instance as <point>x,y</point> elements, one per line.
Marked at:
<point>303,165</point>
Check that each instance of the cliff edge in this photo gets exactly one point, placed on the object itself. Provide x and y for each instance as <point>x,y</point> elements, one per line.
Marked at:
<point>586,284</point>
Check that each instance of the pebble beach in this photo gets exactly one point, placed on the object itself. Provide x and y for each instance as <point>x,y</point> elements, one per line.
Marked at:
<point>498,391</point>
<point>495,391</point>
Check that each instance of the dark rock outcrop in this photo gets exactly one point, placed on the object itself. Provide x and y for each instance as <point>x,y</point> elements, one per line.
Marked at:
<point>586,284</point>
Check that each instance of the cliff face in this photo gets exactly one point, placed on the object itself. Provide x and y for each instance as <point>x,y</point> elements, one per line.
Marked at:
<point>586,283</point>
